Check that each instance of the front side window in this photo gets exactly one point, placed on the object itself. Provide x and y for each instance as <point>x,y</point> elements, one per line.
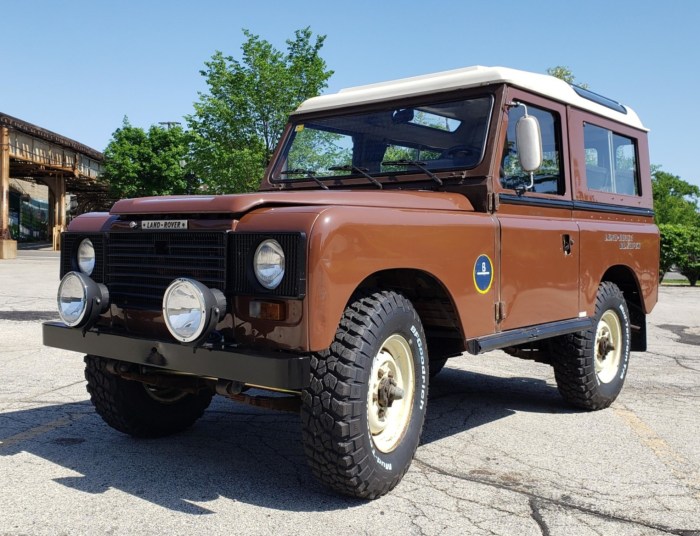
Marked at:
<point>390,141</point>
<point>549,178</point>
<point>611,161</point>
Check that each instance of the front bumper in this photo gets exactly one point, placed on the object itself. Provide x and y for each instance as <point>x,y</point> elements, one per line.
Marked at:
<point>275,370</point>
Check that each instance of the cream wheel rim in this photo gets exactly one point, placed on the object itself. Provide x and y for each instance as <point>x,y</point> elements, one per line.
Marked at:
<point>391,391</point>
<point>608,346</point>
<point>164,395</point>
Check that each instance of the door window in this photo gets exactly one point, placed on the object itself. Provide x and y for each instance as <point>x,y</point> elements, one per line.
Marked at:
<point>549,178</point>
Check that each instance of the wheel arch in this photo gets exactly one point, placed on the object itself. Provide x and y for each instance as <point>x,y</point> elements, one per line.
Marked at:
<point>626,280</point>
<point>433,303</point>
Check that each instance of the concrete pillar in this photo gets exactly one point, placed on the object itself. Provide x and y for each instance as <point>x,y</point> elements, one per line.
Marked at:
<point>8,247</point>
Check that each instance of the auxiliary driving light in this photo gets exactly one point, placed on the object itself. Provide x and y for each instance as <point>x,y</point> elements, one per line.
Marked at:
<point>192,310</point>
<point>80,300</point>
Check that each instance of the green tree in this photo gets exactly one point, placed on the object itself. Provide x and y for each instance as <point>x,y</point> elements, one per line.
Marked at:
<point>675,200</point>
<point>562,72</point>
<point>237,123</point>
<point>680,246</point>
<point>318,151</point>
<point>676,212</point>
<point>139,162</point>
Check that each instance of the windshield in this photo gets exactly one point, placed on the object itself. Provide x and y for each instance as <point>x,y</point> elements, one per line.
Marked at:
<point>421,139</point>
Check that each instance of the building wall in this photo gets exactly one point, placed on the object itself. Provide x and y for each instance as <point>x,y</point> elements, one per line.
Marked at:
<point>29,211</point>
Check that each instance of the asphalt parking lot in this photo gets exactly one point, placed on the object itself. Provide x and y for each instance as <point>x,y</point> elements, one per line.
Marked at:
<point>501,452</point>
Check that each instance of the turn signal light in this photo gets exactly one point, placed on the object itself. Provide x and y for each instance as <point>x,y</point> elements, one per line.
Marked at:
<point>267,310</point>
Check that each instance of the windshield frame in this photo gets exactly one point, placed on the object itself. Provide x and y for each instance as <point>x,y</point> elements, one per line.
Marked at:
<point>407,172</point>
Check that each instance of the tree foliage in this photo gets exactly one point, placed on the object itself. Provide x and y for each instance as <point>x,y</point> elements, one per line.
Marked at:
<point>680,246</point>
<point>562,72</point>
<point>237,123</point>
<point>675,200</point>
<point>676,209</point>
<point>140,163</point>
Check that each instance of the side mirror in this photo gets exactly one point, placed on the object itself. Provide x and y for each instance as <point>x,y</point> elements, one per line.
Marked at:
<point>529,142</point>
<point>528,139</point>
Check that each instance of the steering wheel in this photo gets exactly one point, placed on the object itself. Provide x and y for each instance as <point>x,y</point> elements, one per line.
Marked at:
<point>462,152</point>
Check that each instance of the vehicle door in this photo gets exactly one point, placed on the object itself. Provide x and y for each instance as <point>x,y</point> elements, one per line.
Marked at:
<point>538,240</point>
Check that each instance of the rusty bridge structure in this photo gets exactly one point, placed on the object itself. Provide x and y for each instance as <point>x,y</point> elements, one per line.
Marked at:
<point>38,155</point>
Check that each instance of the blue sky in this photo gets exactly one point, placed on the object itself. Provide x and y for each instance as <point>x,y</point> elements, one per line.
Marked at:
<point>77,67</point>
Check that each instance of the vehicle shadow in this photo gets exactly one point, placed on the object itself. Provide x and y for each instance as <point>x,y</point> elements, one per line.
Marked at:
<point>460,401</point>
<point>238,452</point>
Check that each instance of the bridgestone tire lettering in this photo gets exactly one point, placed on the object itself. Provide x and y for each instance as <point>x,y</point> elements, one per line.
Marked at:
<point>339,446</point>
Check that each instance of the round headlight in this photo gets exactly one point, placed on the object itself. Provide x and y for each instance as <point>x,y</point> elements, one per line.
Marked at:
<point>268,264</point>
<point>80,300</point>
<point>72,299</point>
<point>184,310</point>
<point>191,309</point>
<point>86,256</point>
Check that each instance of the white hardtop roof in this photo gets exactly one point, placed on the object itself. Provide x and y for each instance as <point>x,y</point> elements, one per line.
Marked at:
<point>468,77</point>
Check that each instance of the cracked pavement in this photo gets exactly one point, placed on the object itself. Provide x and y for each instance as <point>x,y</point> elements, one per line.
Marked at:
<point>501,453</point>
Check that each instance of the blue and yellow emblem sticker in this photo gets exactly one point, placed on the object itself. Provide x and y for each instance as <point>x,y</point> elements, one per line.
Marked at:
<point>483,274</point>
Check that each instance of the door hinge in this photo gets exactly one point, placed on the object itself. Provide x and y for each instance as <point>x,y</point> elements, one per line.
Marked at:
<point>500,310</point>
<point>491,202</point>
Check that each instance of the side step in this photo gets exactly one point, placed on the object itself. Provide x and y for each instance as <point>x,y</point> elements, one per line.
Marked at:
<point>514,337</point>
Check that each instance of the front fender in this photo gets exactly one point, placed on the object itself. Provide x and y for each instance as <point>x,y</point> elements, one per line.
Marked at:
<point>349,244</point>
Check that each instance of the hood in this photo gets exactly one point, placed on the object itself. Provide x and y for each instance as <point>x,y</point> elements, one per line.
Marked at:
<point>242,203</point>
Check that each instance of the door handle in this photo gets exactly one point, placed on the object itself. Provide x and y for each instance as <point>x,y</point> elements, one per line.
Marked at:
<point>567,242</point>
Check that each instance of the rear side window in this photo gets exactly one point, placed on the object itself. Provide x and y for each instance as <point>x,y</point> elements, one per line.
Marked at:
<point>611,161</point>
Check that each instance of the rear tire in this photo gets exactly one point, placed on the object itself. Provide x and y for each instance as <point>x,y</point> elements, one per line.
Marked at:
<point>436,366</point>
<point>140,410</point>
<point>359,432</point>
<point>590,366</point>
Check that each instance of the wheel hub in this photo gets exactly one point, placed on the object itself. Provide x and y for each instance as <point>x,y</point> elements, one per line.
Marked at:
<point>388,391</point>
<point>390,394</point>
<point>607,347</point>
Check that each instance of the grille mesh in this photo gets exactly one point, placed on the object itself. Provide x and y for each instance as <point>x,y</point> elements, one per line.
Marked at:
<point>141,265</point>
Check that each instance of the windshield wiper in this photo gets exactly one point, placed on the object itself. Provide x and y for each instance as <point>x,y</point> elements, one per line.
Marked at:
<point>416,164</point>
<point>308,173</point>
<point>361,171</point>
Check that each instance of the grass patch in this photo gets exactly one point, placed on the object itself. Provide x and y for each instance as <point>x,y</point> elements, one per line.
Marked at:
<point>675,283</point>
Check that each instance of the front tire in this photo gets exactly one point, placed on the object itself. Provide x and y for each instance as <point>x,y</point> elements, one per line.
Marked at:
<point>590,366</point>
<point>363,412</point>
<point>140,410</point>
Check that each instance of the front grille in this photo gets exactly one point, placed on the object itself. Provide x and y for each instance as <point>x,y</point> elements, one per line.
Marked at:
<point>138,266</point>
<point>141,265</point>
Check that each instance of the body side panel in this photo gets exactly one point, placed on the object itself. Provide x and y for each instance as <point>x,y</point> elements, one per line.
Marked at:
<point>627,237</point>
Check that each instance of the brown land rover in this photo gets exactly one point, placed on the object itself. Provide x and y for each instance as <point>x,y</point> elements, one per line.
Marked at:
<point>398,224</point>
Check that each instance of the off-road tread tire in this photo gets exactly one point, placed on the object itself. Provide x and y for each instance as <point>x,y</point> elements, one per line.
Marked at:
<point>126,407</point>
<point>574,362</point>
<point>436,367</point>
<point>333,405</point>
